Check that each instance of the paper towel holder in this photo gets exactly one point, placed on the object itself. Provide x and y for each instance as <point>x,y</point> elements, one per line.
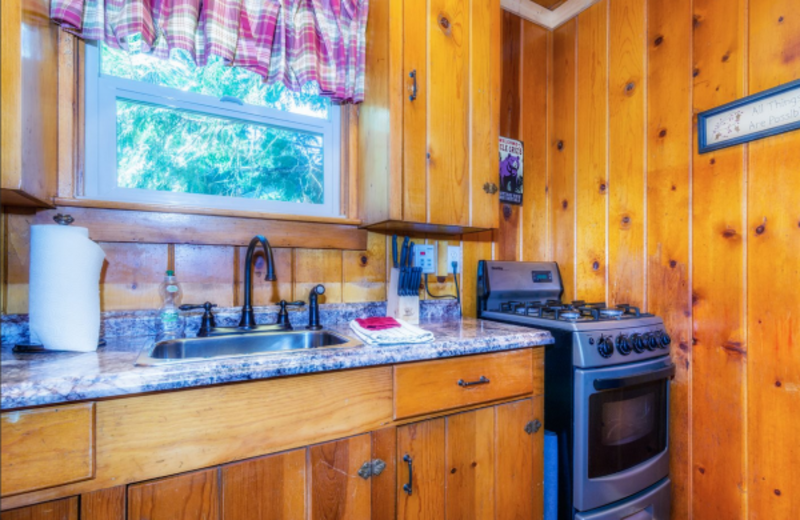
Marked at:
<point>38,348</point>
<point>63,220</point>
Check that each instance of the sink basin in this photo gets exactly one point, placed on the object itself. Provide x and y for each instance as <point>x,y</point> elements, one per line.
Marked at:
<point>253,344</point>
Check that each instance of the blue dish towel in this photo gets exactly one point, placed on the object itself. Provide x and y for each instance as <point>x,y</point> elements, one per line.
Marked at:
<point>550,476</point>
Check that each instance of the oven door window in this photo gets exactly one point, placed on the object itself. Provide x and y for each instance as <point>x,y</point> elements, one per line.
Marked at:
<point>627,426</point>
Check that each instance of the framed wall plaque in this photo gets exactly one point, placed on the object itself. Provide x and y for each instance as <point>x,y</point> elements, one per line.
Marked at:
<point>767,113</point>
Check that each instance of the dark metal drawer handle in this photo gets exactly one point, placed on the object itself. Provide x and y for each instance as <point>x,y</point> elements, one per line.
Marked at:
<point>482,381</point>
<point>408,486</point>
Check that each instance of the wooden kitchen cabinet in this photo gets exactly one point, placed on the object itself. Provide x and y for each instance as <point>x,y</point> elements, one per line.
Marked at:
<point>266,488</point>
<point>65,509</point>
<point>336,491</point>
<point>428,155</point>
<point>191,496</point>
<point>326,481</point>
<point>323,446</point>
<point>28,102</point>
<point>485,463</point>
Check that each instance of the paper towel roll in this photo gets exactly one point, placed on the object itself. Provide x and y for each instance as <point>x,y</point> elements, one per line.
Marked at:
<point>64,297</point>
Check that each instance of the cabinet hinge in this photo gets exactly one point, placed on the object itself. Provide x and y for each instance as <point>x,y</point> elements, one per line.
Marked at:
<point>371,468</point>
<point>533,426</point>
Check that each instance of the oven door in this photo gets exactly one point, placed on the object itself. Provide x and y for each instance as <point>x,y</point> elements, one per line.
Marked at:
<point>621,430</point>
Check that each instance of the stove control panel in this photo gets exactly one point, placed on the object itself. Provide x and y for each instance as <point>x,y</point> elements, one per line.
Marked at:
<point>626,345</point>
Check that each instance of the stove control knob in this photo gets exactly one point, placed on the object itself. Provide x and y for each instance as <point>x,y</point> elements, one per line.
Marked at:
<point>605,346</point>
<point>650,341</point>
<point>638,343</point>
<point>623,346</point>
<point>665,340</point>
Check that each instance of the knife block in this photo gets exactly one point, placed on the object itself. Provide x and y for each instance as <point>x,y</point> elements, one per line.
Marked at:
<point>405,308</point>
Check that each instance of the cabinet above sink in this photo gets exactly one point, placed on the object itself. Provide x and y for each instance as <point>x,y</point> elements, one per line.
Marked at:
<point>428,129</point>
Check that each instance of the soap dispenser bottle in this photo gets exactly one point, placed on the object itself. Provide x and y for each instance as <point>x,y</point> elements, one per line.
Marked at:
<point>170,322</point>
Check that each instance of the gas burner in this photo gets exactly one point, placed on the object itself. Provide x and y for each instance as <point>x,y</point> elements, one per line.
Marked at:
<point>510,306</point>
<point>533,309</point>
<point>569,315</point>
<point>629,309</point>
<point>611,313</point>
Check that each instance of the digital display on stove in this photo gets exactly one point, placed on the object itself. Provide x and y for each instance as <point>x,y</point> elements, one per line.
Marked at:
<point>542,276</point>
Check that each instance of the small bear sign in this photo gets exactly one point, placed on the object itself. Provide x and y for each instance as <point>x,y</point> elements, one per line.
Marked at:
<point>510,171</point>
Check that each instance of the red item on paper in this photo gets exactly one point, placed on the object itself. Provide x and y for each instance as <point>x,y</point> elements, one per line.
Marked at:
<point>378,323</point>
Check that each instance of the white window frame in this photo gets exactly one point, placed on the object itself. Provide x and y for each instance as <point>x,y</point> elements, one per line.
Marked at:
<point>101,94</point>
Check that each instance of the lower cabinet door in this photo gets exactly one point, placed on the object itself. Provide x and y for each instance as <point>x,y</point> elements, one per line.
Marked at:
<point>191,496</point>
<point>482,464</point>
<point>336,490</point>
<point>266,488</point>
<point>520,459</point>
<point>66,509</point>
<point>420,470</point>
<point>470,465</point>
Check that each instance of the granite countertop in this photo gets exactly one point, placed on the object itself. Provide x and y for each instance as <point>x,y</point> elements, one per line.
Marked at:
<point>60,377</point>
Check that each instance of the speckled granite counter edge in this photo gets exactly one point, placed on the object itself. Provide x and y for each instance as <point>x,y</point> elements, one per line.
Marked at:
<point>453,338</point>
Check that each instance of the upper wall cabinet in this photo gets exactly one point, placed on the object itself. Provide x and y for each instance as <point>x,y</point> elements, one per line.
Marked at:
<point>28,101</point>
<point>428,151</point>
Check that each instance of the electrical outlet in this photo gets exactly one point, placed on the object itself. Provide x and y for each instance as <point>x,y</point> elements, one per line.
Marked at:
<point>425,257</point>
<point>454,255</point>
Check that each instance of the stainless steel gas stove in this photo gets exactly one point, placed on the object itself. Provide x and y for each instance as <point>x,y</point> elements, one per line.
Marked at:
<point>606,391</point>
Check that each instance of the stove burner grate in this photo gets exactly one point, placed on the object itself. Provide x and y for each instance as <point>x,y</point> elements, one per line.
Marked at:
<point>573,311</point>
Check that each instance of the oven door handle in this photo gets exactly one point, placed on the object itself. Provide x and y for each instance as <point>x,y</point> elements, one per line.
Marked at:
<point>620,382</point>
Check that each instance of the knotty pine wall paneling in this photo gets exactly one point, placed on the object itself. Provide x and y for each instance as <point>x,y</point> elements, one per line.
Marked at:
<point>563,152</point>
<point>669,145</point>
<point>591,207</point>
<point>535,56</point>
<point>773,275</point>
<point>626,150</point>
<point>508,233</point>
<point>711,243</point>
<point>720,348</point>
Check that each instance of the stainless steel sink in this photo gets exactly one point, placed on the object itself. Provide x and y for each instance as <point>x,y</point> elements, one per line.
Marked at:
<point>253,344</point>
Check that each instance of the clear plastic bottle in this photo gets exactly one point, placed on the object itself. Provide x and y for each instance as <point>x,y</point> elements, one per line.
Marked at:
<point>170,321</point>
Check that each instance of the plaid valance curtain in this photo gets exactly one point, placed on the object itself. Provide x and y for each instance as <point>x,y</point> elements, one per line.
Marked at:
<point>287,41</point>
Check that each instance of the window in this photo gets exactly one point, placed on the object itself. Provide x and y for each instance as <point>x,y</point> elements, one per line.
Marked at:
<point>169,132</point>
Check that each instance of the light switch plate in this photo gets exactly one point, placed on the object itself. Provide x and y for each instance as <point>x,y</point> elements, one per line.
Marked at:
<point>454,255</point>
<point>425,257</point>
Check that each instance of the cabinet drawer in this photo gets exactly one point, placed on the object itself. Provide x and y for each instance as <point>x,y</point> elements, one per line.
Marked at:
<point>47,447</point>
<point>432,386</point>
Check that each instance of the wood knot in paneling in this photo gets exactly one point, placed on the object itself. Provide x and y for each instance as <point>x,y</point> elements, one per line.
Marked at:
<point>630,87</point>
<point>444,24</point>
<point>762,227</point>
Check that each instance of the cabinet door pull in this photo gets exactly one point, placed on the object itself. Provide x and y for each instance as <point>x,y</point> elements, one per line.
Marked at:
<point>483,380</point>
<point>413,76</point>
<point>408,485</point>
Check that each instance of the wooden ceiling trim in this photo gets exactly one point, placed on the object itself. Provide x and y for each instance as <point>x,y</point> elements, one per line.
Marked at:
<point>541,15</point>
